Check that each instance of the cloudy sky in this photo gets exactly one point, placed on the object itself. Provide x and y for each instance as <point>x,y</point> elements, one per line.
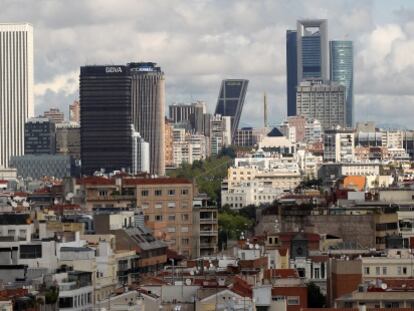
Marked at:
<point>200,42</point>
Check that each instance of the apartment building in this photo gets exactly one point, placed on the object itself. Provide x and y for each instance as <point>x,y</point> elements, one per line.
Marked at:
<point>167,205</point>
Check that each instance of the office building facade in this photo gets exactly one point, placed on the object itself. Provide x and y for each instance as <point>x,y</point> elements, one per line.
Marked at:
<point>312,50</point>
<point>39,136</point>
<point>342,71</point>
<point>74,112</point>
<point>16,83</point>
<point>148,110</point>
<point>105,101</point>
<point>231,100</point>
<point>291,71</point>
<point>323,101</point>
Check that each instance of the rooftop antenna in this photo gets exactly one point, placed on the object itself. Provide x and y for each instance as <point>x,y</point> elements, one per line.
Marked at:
<point>265,109</point>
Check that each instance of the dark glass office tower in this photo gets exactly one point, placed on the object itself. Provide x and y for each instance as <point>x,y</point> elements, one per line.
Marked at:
<point>105,101</point>
<point>231,100</point>
<point>342,71</point>
<point>291,71</point>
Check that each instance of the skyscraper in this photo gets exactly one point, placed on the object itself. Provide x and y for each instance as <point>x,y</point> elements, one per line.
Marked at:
<point>231,100</point>
<point>342,71</point>
<point>54,115</point>
<point>291,71</point>
<point>16,85</point>
<point>105,101</point>
<point>192,114</point>
<point>312,50</point>
<point>148,110</point>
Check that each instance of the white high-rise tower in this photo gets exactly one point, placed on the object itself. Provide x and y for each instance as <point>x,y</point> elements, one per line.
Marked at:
<point>16,87</point>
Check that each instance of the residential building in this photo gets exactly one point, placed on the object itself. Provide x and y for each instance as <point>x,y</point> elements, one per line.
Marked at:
<point>68,139</point>
<point>312,50</point>
<point>188,148</point>
<point>276,142</point>
<point>205,220</point>
<point>291,71</point>
<point>339,145</point>
<point>322,100</point>
<point>54,115</point>
<point>105,100</point>
<point>167,205</point>
<point>220,133</point>
<point>76,291</point>
<point>342,71</point>
<point>39,136</point>
<point>392,139</point>
<point>231,100</point>
<point>16,76</point>
<point>74,112</point>
<point>148,105</point>
<point>313,132</point>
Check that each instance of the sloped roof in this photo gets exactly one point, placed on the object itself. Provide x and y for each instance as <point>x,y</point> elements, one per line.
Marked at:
<point>275,132</point>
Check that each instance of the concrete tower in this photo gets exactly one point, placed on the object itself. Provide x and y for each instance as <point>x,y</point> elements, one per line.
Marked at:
<point>148,110</point>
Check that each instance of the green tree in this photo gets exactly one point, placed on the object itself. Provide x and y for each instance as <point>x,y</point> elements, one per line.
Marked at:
<point>315,298</point>
<point>231,225</point>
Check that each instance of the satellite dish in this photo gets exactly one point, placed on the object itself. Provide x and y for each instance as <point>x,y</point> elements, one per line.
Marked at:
<point>69,196</point>
<point>384,286</point>
<point>188,282</point>
<point>251,246</point>
<point>257,246</point>
<point>191,272</point>
<point>26,204</point>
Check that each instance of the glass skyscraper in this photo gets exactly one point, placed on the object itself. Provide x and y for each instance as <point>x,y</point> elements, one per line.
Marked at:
<point>231,100</point>
<point>312,50</point>
<point>342,71</point>
<point>291,71</point>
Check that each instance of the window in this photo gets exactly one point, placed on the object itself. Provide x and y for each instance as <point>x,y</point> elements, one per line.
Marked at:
<point>184,217</point>
<point>158,217</point>
<point>171,204</point>
<point>317,273</point>
<point>144,193</point>
<point>65,302</point>
<point>399,270</point>
<point>11,232</point>
<point>158,205</point>
<point>30,251</point>
<point>378,270</point>
<point>366,270</point>
<point>171,229</point>
<point>171,192</point>
<point>184,191</point>
<point>184,205</point>
<point>171,217</point>
<point>384,270</point>
<point>158,192</point>
<point>391,304</point>
<point>103,193</point>
<point>293,300</point>
<point>184,229</point>
<point>404,270</point>
<point>145,205</point>
<point>185,241</point>
<point>146,218</point>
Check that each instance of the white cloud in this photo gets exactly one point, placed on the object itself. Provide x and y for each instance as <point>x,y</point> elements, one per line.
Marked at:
<point>200,42</point>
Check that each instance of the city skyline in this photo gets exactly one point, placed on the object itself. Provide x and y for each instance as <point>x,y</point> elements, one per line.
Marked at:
<point>250,46</point>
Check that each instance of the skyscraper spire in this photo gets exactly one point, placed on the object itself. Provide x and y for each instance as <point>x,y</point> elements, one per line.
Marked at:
<point>265,109</point>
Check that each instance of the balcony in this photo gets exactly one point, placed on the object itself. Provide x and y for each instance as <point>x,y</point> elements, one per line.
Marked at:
<point>98,198</point>
<point>208,245</point>
<point>208,220</point>
<point>208,232</point>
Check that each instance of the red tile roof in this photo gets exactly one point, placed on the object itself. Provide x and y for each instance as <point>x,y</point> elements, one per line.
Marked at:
<point>155,181</point>
<point>319,258</point>
<point>241,287</point>
<point>281,273</point>
<point>95,180</point>
<point>283,251</point>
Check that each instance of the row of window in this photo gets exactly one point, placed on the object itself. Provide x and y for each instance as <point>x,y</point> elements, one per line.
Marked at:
<point>173,229</point>
<point>184,217</point>
<point>146,205</point>
<point>159,192</point>
<point>384,270</point>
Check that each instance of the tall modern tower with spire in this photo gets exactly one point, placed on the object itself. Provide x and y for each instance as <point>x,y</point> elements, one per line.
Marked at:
<point>16,87</point>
